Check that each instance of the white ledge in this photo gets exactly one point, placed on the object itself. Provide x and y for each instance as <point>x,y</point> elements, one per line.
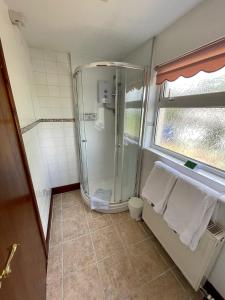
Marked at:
<point>210,179</point>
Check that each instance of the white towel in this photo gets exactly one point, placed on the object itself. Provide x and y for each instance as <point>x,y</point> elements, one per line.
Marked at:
<point>158,186</point>
<point>189,210</point>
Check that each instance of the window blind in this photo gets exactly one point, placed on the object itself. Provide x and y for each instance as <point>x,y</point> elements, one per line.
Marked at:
<point>209,58</point>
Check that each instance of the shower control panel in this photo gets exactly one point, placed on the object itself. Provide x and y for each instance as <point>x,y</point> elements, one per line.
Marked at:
<point>104,91</point>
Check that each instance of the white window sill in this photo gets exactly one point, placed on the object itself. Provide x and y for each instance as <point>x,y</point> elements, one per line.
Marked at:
<point>212,180</point>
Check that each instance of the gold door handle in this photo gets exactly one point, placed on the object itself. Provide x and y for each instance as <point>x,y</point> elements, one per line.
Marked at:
<point>7,270</point>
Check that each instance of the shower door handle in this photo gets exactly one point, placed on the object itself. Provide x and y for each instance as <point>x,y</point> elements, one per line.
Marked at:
<point>84,141</point>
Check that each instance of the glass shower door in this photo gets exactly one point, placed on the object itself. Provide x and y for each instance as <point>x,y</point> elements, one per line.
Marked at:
<point>80,126</point>
<point>99,113</point>
<point>131,131</point>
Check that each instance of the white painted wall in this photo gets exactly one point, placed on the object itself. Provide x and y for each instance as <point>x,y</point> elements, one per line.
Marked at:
<point>141,55</point>
<point>202,25</point>
<point>18,64</point>
<point>17,59</point>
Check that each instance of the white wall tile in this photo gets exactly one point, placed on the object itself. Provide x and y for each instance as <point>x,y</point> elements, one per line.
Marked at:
<point>54,90</point>
<point>38,65</point>
<point>67,112</point>
<point>50,55</point>
<point>66,92</point>
<point>42,90</point>
<point>51,67</point>
<point>63,68</point>
<point>62,57</point>
<point>66,102</point>
<point>53,79</point>
<point>65,80</point>
<point>39,173</point>
<point>39,77</point>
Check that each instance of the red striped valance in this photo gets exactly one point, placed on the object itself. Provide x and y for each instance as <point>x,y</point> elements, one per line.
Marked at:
<point>209,58</point>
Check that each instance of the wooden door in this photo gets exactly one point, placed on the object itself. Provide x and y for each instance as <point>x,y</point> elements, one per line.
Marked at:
<point>19,218</point>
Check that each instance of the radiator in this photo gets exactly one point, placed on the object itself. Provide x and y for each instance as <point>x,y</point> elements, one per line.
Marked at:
<point>196,265</point>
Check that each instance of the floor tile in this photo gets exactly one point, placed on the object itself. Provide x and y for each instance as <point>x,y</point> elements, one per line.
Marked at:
<point>190,291</point>
<point>131,263</point>
<point>118,276</point>
<point>83,285</point>
<point>97,221</point>
<point>93,214</point>
<point>163,253</point>
<point>146,260</point>
<point>73,212</point>
<point>78,254</point>
<point>120,217</point>
<point>56,216</point>
<point>57,201</point>
<point>106,241</point>
<point>166,287</point>
<point>146,228</point>
<point>54,270</point>
<point>131,232</point>
<point>54,290</point>
<point>56,233</point>
<point>73,228</point>
<point>71,198</point>
<point>54,258</point>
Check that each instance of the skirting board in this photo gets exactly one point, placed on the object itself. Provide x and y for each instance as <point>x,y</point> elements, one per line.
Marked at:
<point>58,190</point>
<point>65,188</point>
<point>212,291</point>
<point>49,223</point>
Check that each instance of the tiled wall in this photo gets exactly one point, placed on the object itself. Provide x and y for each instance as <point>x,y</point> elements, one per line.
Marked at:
<point>58,145</point>
<point>52,90</point>
<point>52,97</point>
<point>39,173</point>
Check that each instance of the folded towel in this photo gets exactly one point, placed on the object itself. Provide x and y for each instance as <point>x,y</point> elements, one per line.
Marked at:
<point>189,210</point>
<point>158,186</point>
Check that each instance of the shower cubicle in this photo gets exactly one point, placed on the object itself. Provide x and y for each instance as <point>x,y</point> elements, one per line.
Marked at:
<point>109,104</point>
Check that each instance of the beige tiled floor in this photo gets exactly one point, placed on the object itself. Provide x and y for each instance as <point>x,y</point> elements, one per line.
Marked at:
<point>103,256</point>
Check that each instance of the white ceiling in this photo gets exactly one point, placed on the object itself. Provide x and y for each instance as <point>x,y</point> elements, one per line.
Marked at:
<point>107,29</point>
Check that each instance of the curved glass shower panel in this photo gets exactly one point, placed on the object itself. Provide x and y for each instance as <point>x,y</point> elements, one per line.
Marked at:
<point>119,128</point>
<point>110,105</point>
<point>133,110</point>
<point>99,114</point>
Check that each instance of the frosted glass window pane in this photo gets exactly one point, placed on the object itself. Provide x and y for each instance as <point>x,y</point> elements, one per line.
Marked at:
<point>135,94</point>
<point>198,133</point>
<point>201,83</point>
<point>132,122</point>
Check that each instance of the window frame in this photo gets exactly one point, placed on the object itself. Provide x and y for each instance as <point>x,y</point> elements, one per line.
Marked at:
<point>213,100</point>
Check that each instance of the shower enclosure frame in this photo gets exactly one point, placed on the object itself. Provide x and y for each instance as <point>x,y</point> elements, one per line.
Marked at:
<point>119,206</point>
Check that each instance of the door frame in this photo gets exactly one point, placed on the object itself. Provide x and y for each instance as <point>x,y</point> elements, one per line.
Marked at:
<point>3,66</point>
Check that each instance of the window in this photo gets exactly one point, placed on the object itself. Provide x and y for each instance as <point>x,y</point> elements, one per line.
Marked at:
<point>201,83</point>
<point>191,116</point>
<point>133,105</point>
<point>198,133</point>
